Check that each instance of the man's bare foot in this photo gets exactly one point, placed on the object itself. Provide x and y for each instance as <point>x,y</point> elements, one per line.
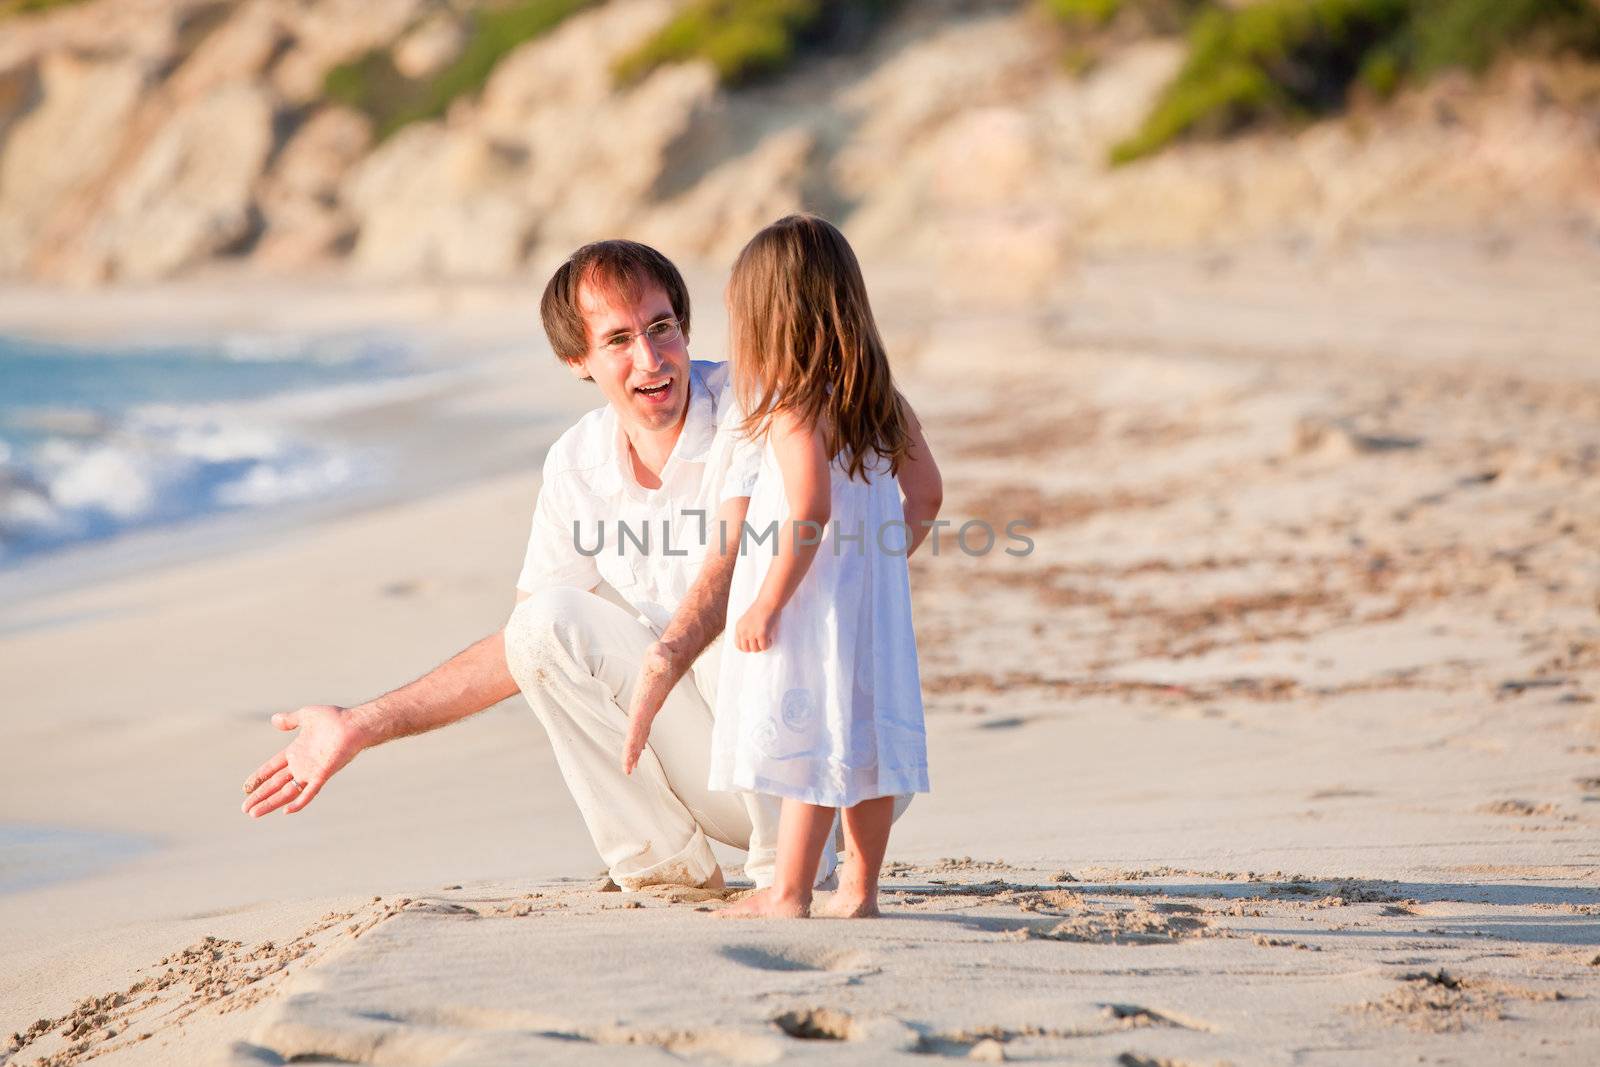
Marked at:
<point>765,904</point>
<point>715,881</point>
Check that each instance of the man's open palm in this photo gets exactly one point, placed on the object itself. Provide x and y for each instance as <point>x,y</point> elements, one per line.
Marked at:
<point>326,742</point>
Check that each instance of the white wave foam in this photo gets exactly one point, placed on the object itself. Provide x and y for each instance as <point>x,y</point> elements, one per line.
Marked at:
<point>268,484</point>
<point>104,478</point>
<point>159,464</point>
<point>74,470</point>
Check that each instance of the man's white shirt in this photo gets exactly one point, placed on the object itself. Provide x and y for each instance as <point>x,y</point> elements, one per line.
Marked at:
<point>592,514</point>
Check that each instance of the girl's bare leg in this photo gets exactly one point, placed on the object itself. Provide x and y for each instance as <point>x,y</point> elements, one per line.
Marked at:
<point>802,831</point>
<point>866,834</point>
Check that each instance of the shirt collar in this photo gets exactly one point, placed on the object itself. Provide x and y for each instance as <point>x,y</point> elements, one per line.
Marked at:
<point>700,426</point>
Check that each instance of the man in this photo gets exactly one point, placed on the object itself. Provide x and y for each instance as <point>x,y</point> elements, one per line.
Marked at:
<point>632,495</point>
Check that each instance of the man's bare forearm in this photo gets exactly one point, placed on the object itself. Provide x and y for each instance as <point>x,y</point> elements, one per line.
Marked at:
<point>473,679</point>
<point>697,622</point>
<point>702,614</point>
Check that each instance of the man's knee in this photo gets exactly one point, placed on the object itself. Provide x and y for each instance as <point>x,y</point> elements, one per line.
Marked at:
<point>541,633</point>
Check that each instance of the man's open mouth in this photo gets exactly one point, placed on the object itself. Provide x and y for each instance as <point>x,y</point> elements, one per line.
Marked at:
<point>656,390</point>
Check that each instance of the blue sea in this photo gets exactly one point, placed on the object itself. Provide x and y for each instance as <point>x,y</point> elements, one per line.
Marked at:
<point>99,441</point>
<point>34,856</point>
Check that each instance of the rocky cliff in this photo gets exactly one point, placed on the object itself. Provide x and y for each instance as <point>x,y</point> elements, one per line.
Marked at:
<point>140,139</point>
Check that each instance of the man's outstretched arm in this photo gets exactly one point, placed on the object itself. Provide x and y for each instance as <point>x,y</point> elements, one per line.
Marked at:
<point>692,628</point>
<point>330,737</point>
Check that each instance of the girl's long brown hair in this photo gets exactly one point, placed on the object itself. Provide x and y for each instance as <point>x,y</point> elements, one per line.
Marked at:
<point>800,323</point>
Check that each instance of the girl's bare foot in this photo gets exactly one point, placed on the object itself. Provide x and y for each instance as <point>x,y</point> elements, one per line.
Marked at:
<point>850,903</point>
<point>765,904</point>
<point>854,899</point>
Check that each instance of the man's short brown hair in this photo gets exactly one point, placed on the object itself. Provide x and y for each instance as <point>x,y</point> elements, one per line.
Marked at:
<point>621,268</point>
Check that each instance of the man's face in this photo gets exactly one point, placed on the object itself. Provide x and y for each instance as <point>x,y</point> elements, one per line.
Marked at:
<point>645,380</point>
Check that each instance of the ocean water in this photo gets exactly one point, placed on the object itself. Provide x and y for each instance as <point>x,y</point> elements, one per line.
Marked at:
<point>35,856</point>
<point>99,441</point>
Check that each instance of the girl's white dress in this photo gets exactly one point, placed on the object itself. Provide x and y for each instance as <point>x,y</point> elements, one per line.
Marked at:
<point>831,712</point>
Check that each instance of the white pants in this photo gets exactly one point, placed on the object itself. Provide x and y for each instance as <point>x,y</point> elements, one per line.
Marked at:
<point>575,656</point>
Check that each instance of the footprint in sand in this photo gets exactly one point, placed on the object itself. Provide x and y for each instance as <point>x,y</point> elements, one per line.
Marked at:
<point>1135,1015</point>
<point>404,587</point>
<point>1009,723</point>
<point>1440,1001</point>
<point>889,1034</point>
<point>763,958</point>
<point>988,1043</point>
<point>817,1024</point>
<point>467,1036</point>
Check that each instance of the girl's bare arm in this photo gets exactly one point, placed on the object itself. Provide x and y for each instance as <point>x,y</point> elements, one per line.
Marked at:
<point>801,452</point>
<point>921,484</point>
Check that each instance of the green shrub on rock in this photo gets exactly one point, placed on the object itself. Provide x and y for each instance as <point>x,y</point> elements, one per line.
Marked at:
<point>746,40</point>
<point>371,83</point>
<point>1288,61</point>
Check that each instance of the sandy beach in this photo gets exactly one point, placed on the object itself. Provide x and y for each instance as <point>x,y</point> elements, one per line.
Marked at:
<point>1281,746</point>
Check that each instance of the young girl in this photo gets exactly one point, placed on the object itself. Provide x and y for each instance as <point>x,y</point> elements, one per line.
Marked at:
<point>819,701</point>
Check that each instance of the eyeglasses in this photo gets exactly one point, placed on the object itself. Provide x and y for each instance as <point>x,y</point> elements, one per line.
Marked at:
<point>660,332</point>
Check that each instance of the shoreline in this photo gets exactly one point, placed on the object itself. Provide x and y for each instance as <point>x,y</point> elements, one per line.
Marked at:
<point>470,405</point>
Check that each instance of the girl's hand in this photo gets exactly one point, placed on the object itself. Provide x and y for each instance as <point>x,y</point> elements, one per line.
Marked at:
<point>756,629</point>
